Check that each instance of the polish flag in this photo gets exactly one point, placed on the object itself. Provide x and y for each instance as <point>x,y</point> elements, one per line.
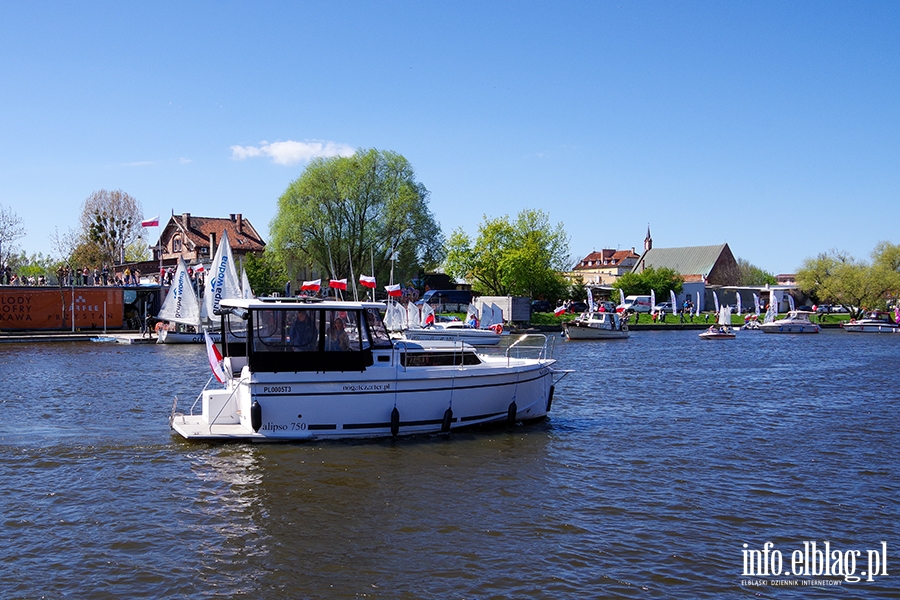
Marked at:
<point>199,269</point>
<point>560,310</point>
<point>338,284</point>
<point>154,222</point>
<point>366,281</point>
<point>311,286</point>
<point>393,291</point>
<point>215,358</point>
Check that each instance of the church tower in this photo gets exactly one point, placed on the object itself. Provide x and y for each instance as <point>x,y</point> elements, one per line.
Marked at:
<point>648,241</point>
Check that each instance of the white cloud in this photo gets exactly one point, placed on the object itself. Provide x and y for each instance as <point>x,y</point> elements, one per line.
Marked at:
<point>291,152</point>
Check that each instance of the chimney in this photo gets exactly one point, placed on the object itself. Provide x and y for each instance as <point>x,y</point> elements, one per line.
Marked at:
<point>240,223</point>
<point>186,220</point>
<point>212,244</point>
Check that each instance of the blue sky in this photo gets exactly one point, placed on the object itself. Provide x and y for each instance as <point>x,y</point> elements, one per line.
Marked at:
<point>772,126</point>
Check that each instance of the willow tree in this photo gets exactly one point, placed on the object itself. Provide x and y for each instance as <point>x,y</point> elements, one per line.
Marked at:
<point>364,208</point>
<point>521,258</point>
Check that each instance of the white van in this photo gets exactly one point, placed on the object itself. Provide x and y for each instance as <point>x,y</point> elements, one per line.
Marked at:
<point>636,303</point>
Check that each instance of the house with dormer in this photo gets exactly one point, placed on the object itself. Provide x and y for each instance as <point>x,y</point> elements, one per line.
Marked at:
<point>195,238</point>
<point>602,268</point>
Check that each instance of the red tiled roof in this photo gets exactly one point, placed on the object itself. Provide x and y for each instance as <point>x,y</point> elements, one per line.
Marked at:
<point>241,233</point>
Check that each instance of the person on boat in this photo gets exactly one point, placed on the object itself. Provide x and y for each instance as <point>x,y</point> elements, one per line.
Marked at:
<point>336,339</point>
<point>303,332</point>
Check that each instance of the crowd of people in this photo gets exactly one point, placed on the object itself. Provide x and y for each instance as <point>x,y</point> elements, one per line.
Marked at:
<point>67,276</point>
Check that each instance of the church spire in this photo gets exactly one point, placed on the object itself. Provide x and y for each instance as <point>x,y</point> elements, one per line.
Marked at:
<point>648,241</point>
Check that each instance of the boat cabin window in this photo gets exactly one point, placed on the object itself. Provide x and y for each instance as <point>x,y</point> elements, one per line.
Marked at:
<point>305,338</point>
<point>438,359</point>
<point>377,331</point>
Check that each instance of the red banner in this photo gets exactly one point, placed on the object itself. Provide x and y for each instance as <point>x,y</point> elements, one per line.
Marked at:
<point>52,308</point>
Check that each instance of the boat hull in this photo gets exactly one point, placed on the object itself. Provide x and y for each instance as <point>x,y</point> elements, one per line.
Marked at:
<point>718,335</point>
<point>394,401</point>
<point>870,328</point>
<point>473,337</point>
<point>789,328</point>
<point>164,336</point>
<point>576,331</point>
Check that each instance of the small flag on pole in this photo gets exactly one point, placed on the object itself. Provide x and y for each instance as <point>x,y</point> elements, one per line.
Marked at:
<point>393,291</point>
<point>366,281</point>
<point>559,310</point>
<point>338,284</point>
<point>215,358</point>
<point>311,286</point>
<point>154,222</point>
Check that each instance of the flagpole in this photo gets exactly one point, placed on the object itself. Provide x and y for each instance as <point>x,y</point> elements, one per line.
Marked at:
<point>352,276</point>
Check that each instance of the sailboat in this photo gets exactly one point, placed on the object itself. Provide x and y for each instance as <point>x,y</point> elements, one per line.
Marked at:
<point>222,283</point>
<point>723,330</point>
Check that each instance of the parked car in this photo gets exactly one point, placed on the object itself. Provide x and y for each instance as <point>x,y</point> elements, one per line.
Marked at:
<point>666,306</point>
<point>541,306</point>
<point>578,307</point>
<point>805,307</point>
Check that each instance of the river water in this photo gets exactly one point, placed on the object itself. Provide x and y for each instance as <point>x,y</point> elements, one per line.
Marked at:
<point>664,455</point>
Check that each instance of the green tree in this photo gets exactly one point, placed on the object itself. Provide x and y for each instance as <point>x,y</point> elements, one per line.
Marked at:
<point>367,208</point>
<point>838,277</point>
<point>659,281</point>
<point>112,221</point>
<point>753,275</point>
<point>521,258</point>
<point>265,273</point>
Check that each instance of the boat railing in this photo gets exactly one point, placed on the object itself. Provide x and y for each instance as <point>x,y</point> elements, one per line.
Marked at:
<point>531,345</point>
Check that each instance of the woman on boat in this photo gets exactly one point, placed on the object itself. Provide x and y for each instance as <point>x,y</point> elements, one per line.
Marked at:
<point>337,339</point>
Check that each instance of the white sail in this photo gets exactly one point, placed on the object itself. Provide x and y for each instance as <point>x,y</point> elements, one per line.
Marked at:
<point>725,316</point>
<point>413,317</point>
<point>246,290</point>
<point>491,314</point>
<point>395,317</point>
<point>181,304</point>
<point>772,311</point>
<point>222,281</point>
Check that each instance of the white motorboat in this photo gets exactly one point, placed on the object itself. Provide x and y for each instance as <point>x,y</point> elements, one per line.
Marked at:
<point>456,331</point>
<point>596,325</point>
<point>796,321</point>
<point>723,330</point>
<point>294,370</point>
<point>874,322</point>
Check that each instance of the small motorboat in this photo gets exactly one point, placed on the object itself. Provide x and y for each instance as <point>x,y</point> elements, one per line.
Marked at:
<point>874,322</point>
<point>596,325</point>
<point>723,330</point>
<point>796,321</point>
